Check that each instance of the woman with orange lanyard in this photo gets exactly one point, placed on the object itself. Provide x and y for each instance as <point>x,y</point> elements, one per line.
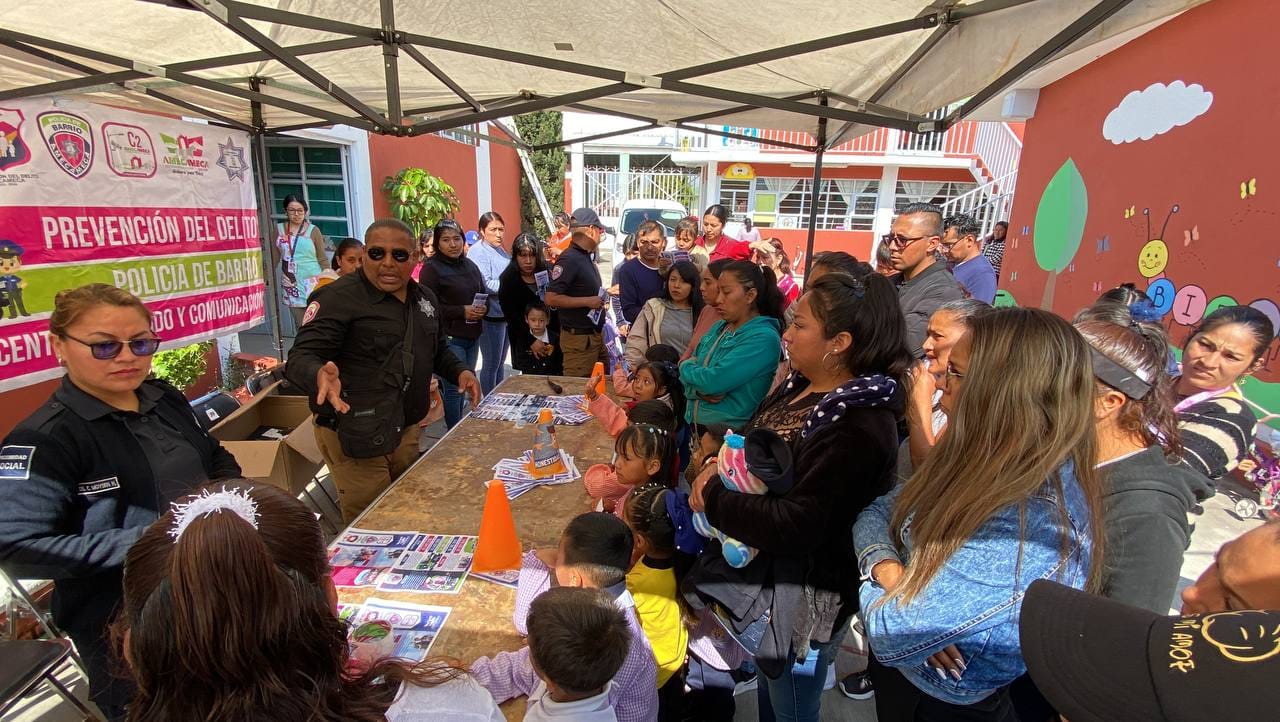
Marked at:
<point>299,254</point>
<point>713,238</point>
<point>1215,422</point>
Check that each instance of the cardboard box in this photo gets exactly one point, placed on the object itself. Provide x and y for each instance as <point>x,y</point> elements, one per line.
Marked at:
<point>289,463</point>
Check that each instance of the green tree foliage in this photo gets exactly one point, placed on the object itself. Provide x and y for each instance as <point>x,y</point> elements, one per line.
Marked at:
<point>548,165</point>
<point>419,199</point>
<point>182,367</point>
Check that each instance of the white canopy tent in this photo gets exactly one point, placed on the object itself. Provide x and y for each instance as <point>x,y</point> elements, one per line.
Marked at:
<point>406,67</point>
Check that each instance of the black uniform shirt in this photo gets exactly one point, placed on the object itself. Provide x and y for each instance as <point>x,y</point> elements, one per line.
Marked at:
<point>361,329</point>
<point>79,487</point>
<point>576,275</point>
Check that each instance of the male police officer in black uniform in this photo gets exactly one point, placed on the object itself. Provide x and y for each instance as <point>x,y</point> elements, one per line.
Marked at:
<point>575,290</point>
<point>351,342</point>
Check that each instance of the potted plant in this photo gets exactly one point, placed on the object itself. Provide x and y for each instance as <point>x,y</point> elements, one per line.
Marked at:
<point>419,199</point>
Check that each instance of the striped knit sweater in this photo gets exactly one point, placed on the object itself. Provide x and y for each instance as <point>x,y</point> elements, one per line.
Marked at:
<point>1216,434</point>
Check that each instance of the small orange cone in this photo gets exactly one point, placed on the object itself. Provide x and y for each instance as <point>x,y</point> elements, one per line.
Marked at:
<point>497,548</point>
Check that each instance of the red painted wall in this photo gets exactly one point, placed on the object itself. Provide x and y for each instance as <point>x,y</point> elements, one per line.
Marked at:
<point>19,403</point>
<point>1221,239</point>
<point>453,161</point>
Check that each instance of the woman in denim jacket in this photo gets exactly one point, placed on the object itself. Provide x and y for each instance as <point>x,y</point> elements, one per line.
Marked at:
<point>1005,498</point>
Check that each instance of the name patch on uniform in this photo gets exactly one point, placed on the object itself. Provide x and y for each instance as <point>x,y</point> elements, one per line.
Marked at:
<point>89,488</point>
<point>15,462</point>
<point>312,309</point>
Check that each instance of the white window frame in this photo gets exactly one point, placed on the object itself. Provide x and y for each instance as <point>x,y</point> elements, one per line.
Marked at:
<point>344,156</point>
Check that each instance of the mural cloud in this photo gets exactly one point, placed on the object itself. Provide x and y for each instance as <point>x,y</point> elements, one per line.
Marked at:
<point>1144,114</point>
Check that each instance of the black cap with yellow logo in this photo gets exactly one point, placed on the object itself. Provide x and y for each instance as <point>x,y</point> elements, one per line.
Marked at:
<point>1095,659</point>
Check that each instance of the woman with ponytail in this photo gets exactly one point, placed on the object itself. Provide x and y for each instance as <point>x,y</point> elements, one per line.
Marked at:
<point>836,416</point>
<point>229,614</point>
<point>1149,493</point>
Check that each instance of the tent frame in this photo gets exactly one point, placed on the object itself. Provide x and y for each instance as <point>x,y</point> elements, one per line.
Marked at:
<point>940,17</point>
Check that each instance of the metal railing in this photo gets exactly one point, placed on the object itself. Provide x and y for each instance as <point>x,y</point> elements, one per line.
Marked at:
<point>988,203</point>
<point>958,140</point>
<point>999,150</point>
<point>608,189</point>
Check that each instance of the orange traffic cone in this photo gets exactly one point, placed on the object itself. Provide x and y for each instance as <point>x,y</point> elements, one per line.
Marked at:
<point>497,548</point>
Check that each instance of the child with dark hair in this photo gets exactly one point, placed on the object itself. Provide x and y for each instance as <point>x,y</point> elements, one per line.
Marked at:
<point>651,381</point>
<point>653,582</point>
<point>594,552</point>
<point>543,355</point>
<point>621,378</point>
<point>578,640</point>
<point>644,451</point>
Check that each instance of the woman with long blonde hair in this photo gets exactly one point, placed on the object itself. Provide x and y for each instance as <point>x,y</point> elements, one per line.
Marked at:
<point>1007,496</point>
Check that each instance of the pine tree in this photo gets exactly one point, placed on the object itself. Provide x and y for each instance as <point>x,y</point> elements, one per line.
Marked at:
<point>536,129</point>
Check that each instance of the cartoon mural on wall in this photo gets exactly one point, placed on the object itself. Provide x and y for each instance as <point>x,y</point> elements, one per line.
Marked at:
<point>1137,168</point>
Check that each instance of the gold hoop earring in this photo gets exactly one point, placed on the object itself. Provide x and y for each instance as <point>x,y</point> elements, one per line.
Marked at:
<point>825,356</point>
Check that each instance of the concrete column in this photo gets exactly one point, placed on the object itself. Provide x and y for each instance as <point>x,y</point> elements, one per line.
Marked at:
<point>624,179</point>
<point>577,178</point>
<point>484,173</point>
<point>884,206</point>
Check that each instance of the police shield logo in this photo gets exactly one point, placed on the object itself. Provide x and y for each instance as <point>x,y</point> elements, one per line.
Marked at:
<point>69,141</point>
<point>13,149</point>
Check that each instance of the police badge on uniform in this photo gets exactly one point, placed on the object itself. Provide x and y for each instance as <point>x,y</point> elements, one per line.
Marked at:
<point>425,306</point>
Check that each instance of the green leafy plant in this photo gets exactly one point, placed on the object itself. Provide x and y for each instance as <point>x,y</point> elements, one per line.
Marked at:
<point>535,129</point>
<point>419,199</point>
<point>184,366</point>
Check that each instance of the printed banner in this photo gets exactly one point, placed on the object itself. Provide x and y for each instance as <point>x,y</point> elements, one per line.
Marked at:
<point>160,207</point>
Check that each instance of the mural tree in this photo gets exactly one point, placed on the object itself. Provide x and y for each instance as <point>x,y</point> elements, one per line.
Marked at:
<point>1059,224</point>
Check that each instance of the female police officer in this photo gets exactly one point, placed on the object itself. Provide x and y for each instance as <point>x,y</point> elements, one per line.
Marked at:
<point>84,475</point>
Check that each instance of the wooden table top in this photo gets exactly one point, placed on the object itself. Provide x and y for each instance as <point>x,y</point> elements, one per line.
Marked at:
<point>444,493</point>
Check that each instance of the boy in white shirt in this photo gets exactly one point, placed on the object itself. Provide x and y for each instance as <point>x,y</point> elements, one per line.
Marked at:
<point>578,639</point>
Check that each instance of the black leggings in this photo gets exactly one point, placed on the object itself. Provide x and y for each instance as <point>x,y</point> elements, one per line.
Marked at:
<point>898,700</point>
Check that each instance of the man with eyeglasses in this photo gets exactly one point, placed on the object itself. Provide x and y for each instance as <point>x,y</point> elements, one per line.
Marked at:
<point>349,356</point>
<point>972,270</point>
<point>923,282</point>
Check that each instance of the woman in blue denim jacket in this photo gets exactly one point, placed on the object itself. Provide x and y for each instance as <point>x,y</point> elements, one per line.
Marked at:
<point>1005,498</point>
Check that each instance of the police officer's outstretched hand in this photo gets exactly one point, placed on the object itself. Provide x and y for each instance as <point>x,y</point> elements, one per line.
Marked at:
<point>467,384</point>
<point>329,388</point>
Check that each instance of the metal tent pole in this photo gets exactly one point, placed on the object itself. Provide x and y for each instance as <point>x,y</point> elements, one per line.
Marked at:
<point>258,141</point>
<point>819,151</point>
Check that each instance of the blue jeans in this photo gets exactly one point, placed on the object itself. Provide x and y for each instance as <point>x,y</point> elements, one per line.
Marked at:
<point>466,349</point>
<point>493,346</point>
<point>796,696</point>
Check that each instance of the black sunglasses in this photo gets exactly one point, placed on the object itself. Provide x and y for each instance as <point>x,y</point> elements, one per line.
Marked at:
<point>106,350</point>
<point>377,253</point>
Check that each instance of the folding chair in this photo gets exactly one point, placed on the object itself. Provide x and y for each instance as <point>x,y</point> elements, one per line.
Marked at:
<point>25,665</point>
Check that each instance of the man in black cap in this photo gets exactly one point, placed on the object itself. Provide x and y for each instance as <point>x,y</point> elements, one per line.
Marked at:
<point>576,289</point>
<point>1095,659</point>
